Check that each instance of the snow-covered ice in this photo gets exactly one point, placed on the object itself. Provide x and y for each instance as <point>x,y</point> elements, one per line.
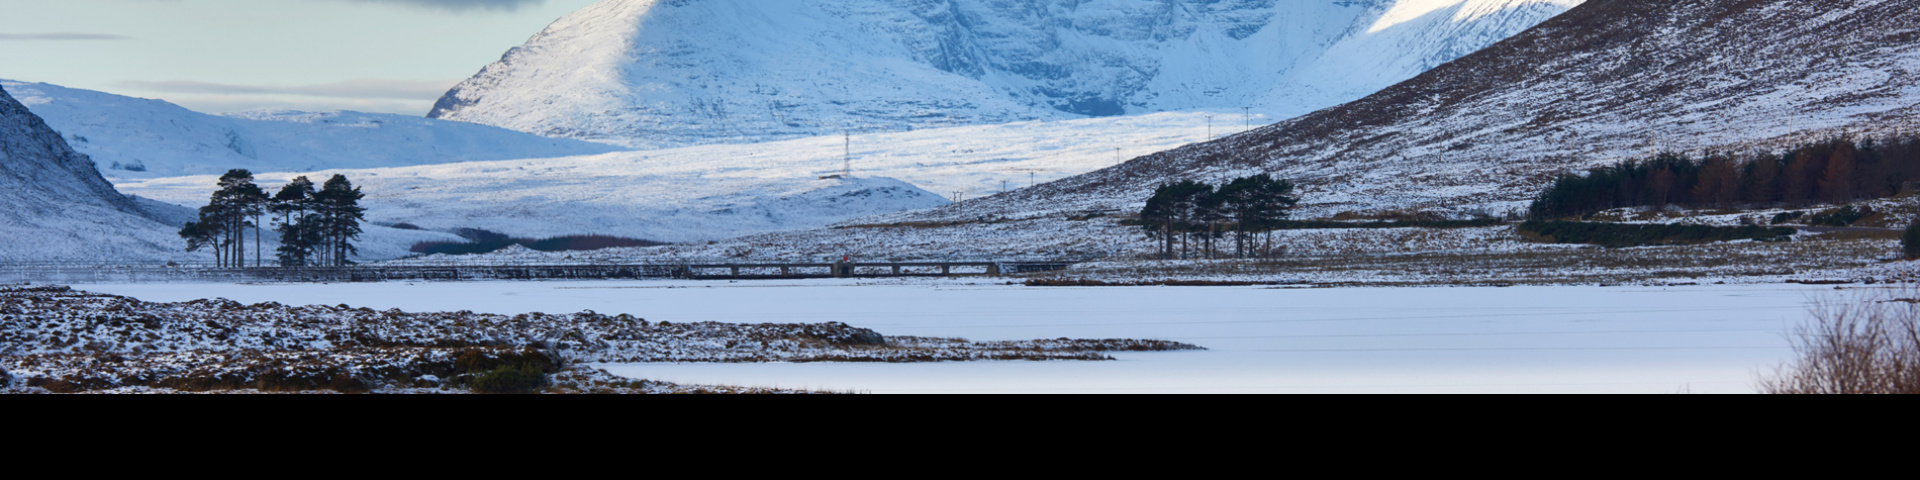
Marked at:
<point>1702,339</point>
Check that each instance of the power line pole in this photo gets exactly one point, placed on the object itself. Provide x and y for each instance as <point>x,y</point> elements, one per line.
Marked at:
<point>847,170</point>
<point>1209,127</point>
<point>1246,119</point>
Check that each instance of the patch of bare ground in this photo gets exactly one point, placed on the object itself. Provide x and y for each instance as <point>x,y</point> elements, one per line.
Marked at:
<point>56,339</point>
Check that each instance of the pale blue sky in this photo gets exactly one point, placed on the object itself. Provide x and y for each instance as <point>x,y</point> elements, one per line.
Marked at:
<point>390,56</point>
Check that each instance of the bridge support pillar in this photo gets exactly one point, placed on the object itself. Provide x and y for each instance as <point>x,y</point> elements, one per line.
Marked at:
<point>946,269</point>
<point>734,271</point>
<point>993,269</point>
<point>896,270</point>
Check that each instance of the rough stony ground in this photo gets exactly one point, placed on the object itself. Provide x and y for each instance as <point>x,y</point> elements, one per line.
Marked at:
<point>61,340</point>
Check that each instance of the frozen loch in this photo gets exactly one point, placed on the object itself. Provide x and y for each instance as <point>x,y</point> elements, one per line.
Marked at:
<point>1633,339</point>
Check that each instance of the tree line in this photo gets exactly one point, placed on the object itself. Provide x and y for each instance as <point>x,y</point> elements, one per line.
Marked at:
<point>316,227</point>
<point>1194,215</point>
<point>1839,170</point>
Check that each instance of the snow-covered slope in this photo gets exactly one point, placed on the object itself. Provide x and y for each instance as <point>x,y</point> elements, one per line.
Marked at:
<point>713,192</point>
<point>652,73</point>
<point>55,207</point>
<point>141,138</point>
<point>1605,81</point>
<point>616,194</point>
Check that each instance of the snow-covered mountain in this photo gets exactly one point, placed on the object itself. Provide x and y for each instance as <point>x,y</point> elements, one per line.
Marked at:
<point>142,138</point>
<point>1606,81</point>
<point>654,73</point>
<point>55,206</point>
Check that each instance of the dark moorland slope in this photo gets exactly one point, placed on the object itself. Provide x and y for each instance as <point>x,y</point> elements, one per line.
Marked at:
<point>1609,80</point>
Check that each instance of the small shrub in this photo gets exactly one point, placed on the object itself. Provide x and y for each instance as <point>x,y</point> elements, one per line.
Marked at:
<point>504,372</point>
<point>479,360</point>
<point>1786,216</point>
<point>1615,235</point>
<point>1867,344</point>
<point>407,226</point>
<point>1910,241</point>
<point>511,380</point>
<point>1840,217</point>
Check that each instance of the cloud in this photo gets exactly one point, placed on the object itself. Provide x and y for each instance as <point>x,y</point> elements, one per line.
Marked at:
<point>457,5</point>
<point>60,36</point>
<point>360,89</point>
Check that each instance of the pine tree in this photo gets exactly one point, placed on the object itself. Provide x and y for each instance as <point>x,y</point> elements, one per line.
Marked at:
<point>338,204</point>
<point>1255,204</point>
<point>1910,241</point>
<point>238,204</point>
<point>1763,181</point>
<point>223,223</point>
<point>1174,213</point>
<point>198,236</point>
<point>298,235</point>
<point>1803,177</point>
<point>1836,181</point>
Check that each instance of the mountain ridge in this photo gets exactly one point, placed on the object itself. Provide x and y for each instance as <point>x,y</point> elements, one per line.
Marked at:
<point>1607,81</point>
<point>58,206</point>
<point>145,138</point>
<point>648,73</point>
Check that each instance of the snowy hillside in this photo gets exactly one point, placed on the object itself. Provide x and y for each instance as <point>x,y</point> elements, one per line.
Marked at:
<point>141,138</point>
<point>652,73</point>
<point>1604,82</point>
<point>680,194</point>
<point>615,194</point>
<point>55,207</point>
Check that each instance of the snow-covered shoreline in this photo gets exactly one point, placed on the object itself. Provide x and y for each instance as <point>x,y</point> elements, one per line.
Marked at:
<point>71,341</point>
<point>1542,339</point>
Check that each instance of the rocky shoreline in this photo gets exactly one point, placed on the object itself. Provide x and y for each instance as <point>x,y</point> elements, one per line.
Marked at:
<point>59,340</point>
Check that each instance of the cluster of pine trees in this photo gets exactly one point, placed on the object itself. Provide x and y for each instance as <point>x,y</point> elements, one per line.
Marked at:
<point>1840,170</point>
<point>317,227</point>
<point>1194,215</point>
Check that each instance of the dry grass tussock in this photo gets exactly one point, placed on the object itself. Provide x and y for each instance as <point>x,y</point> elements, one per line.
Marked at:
<point>1867,343</point>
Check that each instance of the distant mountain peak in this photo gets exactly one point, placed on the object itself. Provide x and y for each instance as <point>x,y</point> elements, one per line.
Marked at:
<point>650,73</point>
